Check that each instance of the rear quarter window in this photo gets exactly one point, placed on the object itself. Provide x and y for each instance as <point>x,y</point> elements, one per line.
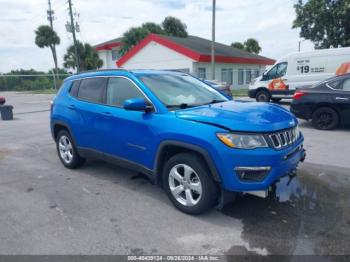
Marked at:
<point>74,88</point>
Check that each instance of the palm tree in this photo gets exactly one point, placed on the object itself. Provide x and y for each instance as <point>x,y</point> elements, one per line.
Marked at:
<point>45,36</point>
<point>88,57</point>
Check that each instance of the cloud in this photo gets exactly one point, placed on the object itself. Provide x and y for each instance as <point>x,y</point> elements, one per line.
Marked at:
<point>268,21</point>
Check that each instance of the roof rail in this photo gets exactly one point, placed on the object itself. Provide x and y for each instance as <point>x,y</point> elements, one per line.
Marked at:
<point>100,70</point>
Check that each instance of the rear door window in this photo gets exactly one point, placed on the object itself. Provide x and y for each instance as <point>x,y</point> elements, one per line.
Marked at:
<point>92,89</point>
<point>335,84</point>
<point>120,89</point>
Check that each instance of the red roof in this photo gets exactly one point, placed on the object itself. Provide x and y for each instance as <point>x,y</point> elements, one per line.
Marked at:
<point>109,44</point>
<point>197,49</point>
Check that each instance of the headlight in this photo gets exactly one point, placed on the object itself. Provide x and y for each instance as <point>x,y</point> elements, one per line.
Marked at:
<point>242,141</point>
<point>297,132</point>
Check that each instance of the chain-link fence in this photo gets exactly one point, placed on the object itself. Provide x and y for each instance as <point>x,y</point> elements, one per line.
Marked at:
<point>30,82</point>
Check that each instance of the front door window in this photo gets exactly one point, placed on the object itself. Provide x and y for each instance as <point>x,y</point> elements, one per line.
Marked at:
<point>277,71</point>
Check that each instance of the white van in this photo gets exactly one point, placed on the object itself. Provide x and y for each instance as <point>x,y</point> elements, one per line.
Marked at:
<point>297,70</point>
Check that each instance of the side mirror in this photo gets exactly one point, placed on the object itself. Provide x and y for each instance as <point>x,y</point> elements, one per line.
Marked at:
<point>264,76</point>
<point>137,104</point>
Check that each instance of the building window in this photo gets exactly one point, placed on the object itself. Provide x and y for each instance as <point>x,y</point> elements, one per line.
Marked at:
<point>202,74</point>
<point>115,54</point>
<point>256,73</point>
<point>248,76</point>
<point>227,75</point>
<point>240,76</point>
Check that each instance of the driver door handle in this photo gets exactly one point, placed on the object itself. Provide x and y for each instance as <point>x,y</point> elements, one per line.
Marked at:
<point>107,113</point>
<point>72,107</point>
<point>341,98</point>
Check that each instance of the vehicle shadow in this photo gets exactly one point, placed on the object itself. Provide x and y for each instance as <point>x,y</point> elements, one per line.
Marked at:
<point>307,124</point>
<point>119,175</point>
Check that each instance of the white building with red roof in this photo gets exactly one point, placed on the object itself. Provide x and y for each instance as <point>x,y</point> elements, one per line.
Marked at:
<point>190,54</point>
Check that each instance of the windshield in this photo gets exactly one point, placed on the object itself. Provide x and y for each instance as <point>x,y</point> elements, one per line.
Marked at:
<point>181,90</point>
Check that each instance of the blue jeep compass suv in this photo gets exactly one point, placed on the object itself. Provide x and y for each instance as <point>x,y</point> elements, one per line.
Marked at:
<point>178,131</point>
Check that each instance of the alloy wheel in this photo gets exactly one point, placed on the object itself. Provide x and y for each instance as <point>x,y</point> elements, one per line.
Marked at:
<point>325,119</point>
<point>66,149</point>
<point>185,185</point>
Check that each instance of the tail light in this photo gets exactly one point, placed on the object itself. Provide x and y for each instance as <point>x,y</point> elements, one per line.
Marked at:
<point>298,95</point>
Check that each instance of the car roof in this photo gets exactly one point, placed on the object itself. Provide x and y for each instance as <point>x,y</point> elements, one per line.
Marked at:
<point>333,78</point>
<point>340,77</point>
<point>116,72</point>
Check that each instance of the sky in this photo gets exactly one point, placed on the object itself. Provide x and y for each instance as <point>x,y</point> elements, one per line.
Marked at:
<point>270,22</point>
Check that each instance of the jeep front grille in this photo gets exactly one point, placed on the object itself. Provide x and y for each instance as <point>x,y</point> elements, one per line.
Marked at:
<point>284,138</point>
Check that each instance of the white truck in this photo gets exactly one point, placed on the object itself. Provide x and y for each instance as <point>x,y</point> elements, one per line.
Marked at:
<point>295,71</point>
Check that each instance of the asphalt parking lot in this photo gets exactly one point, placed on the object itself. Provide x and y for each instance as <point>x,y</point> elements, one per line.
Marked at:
<point>103,209</point>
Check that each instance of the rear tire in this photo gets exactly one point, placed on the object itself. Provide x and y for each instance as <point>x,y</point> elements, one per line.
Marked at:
<point>67,151</point>
<point>262,96</point>
<point>188,183</point>
<point>325,118</point>
<point>276,100</point>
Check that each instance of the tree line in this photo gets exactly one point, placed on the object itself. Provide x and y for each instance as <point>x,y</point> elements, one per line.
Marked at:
<point>27,80</point>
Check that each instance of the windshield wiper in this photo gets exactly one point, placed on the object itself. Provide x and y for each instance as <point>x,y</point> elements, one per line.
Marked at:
<point>185,105</point>
<point>182,105</point>
<point>214,101</point>
<point>217,101</point>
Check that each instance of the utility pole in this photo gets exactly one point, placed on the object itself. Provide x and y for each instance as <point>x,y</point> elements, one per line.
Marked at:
<point>213,42</point>
<point>299,44</point>
<point>72,29</point>
<point>50,13</point>
<point>50,17</point>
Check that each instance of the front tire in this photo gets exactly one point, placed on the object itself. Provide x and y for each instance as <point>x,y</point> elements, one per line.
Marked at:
<point>67,151</point>
<point>188,183</point>
<point>262,96</point>
<point>325,118</point>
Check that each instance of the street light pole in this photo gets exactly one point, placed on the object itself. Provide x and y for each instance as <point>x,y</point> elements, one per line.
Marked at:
<point>213,42</point>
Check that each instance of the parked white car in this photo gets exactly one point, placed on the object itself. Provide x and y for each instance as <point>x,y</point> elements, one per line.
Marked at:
<point>297,70</point>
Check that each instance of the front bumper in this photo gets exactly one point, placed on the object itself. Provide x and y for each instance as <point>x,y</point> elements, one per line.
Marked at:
<point>280,163</point>
<point>252,93</point>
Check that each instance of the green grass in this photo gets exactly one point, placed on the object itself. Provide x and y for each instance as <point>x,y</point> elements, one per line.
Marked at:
<point>240,92</point>
<point>43,91</point>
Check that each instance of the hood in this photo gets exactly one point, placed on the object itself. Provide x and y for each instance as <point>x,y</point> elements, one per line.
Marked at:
<point>241,116</point>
